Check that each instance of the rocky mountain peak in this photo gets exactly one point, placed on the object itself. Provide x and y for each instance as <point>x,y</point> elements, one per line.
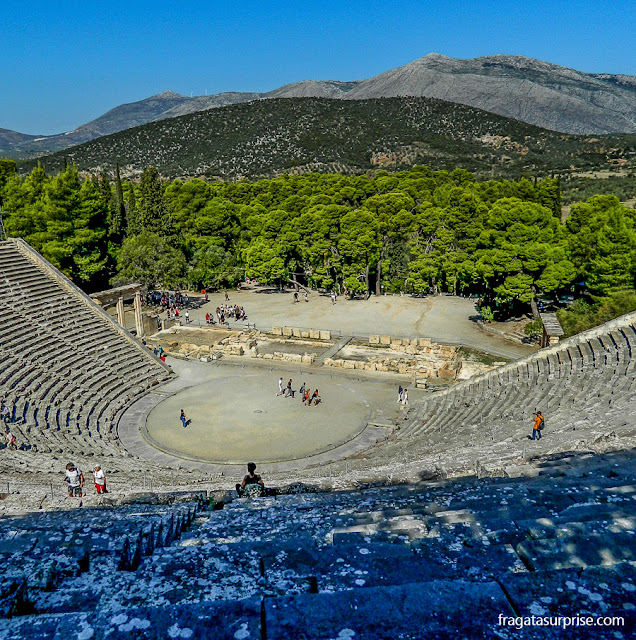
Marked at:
<point>165,95</point>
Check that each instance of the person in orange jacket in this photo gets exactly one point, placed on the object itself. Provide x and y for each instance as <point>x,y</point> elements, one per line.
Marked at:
<point>537,426</point>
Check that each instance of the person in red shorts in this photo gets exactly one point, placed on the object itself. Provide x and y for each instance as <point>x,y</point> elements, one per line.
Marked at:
<point>100,480</point>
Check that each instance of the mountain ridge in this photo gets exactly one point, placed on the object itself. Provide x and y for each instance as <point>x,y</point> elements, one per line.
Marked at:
<point>264,138</point>
<point>533,91</point>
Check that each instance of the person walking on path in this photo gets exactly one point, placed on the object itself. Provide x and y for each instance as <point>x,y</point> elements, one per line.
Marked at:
<point>75,479</point>
<point>400,392</point>
<point>405,397</point>
<point>280,387</point>
<point>306,297</point>
<point>295,296</point>
<point>316,398</point>
<point>302,389</point>
<point>537,426</point>
<point>187,316</point>
<point>307,396</point>
<point>183,418</point>
<point>100,479</point>
<point>289,392</point>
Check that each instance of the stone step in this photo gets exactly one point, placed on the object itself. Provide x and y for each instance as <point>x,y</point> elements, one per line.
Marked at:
<point>348,566</point>
<point>197,621</point>
<point>172,575</point>
<point>602,549</point>
<point>437,609</point>
<point>595,591</point>
<point>547,528</point>
<point>473,559</point>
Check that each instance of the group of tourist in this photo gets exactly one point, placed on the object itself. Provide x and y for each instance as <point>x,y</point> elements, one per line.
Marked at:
<point>297,299</point>
<point>171,303</point>
<point>75,480</point>
<point>167,300</point>
<point>403,396</point>
<point>159,352</point>
<point>227,311</point>
<point>306,395</point>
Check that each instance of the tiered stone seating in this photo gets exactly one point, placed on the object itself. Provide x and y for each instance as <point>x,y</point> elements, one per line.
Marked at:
<point>68,368</point>
<point>585,388</point>
<point>432,560</point>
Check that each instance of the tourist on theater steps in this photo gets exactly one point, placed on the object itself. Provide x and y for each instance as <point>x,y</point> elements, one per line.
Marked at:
<point>75,479</point>
<point>252,485</point>
<point>537,427</point>
<point>100,479</point>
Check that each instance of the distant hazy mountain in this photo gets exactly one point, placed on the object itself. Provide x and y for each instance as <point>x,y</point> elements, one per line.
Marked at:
<point>11,140</point>
<point>122,117</point>
<point>528,90</point>
<point>306,89</point>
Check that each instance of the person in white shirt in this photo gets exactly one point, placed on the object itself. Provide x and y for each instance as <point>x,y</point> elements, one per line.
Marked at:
<point>100,480</point>
<point>75,479</point>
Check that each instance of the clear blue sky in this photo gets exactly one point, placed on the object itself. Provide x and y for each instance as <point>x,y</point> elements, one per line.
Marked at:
<point>65,63</point>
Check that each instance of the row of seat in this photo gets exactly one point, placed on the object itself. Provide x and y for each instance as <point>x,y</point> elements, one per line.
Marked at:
<point>585,388</point>
<point>68,370</point>
<point>438,559</point>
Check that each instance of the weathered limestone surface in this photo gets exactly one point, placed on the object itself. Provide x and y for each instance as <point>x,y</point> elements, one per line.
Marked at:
<point>431,559</point>
<point>417,356</point>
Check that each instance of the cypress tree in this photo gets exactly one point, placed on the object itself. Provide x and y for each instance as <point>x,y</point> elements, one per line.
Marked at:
<point>119,208</point>
<point>132,215</point>
<point>153,214</point>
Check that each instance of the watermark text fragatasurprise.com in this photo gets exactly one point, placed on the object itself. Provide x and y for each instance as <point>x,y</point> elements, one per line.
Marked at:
<point>560,622</point>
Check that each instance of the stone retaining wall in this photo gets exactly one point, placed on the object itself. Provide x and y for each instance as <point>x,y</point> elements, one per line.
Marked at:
<point>419,357</point>
<point>313,334</point>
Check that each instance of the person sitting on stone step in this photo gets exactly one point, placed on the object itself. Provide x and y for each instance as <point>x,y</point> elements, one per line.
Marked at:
<point>10,440</point>
<point>252,485</point>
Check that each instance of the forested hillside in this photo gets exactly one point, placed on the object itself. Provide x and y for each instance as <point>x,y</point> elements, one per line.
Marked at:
<point>418,231</point>
<point>268,137</point>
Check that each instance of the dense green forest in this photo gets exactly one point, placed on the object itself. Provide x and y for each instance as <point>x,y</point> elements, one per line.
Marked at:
<point>418,230</point>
